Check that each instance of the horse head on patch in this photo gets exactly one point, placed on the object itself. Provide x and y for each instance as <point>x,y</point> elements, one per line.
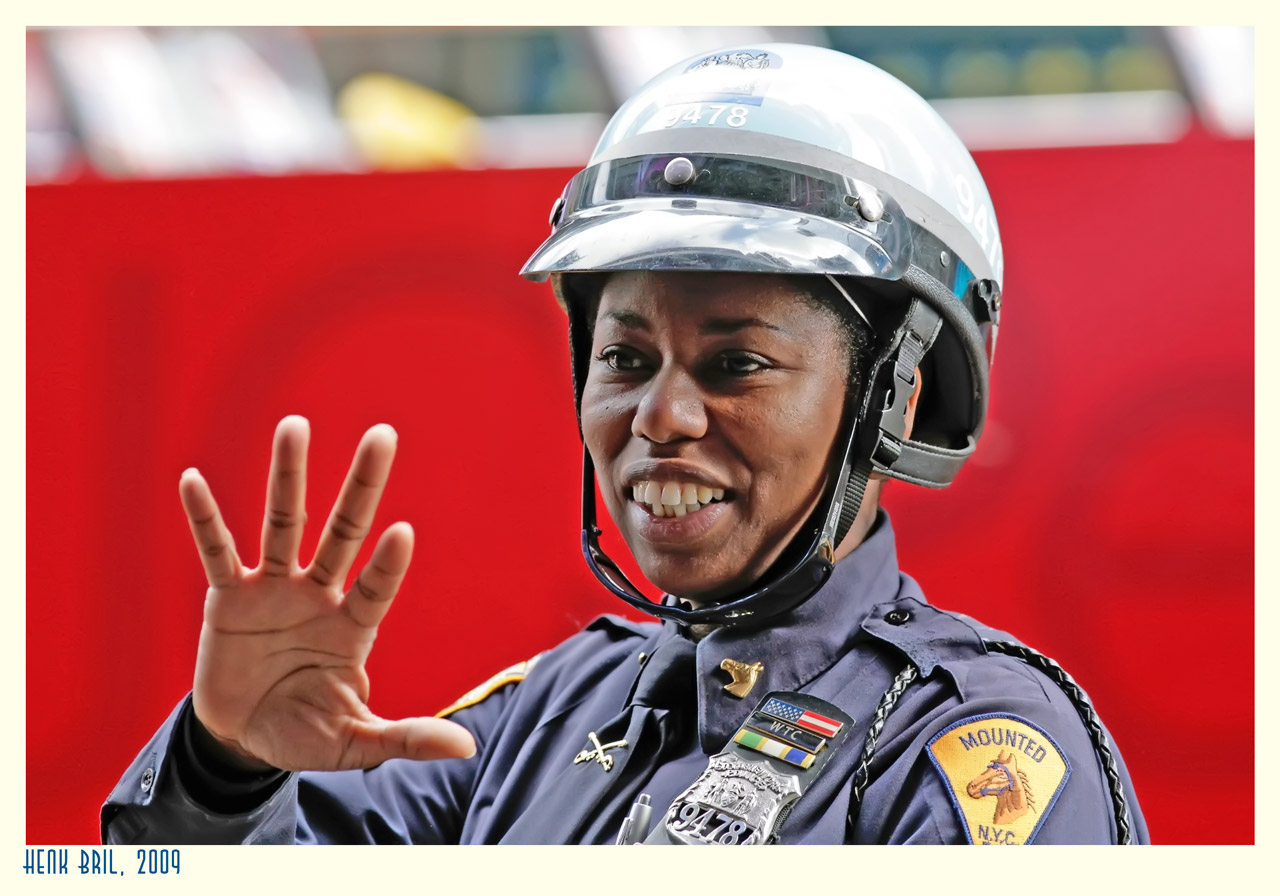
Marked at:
<point>1008,785</point>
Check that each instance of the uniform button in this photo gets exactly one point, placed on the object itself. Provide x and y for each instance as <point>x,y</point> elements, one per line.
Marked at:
<point>148,778</point>
<point>896,617</point>
<point>643,656</point>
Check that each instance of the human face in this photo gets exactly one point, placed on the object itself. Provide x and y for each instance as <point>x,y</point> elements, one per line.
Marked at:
<point>715,381</point>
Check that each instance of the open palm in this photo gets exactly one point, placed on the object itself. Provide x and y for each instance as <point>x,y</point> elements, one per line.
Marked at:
<point>280,676</point>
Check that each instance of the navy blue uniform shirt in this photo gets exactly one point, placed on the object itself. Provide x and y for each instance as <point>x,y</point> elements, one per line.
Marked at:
<point>646,684</point>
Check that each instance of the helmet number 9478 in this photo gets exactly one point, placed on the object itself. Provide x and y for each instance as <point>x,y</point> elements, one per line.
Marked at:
<point>715,113</point>
<point>974,212</point>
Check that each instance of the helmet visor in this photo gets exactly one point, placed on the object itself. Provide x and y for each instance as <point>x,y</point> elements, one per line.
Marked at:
<point>723,212</point>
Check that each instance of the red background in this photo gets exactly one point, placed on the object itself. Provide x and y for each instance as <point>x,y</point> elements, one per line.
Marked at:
<point>1107,519</point>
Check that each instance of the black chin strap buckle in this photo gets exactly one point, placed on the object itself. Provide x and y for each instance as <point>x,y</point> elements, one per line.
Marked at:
<point>892,420</point>
<point>919,330</point>
<point>887,451</point>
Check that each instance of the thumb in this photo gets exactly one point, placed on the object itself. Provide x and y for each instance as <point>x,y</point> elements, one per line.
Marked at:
<point>416,738</point>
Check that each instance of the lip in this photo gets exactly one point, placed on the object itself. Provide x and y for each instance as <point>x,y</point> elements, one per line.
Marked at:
<point>671,530</point>
<point>670,471</point>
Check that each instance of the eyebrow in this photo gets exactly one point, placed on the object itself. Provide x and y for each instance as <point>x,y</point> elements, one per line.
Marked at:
<point>630,319</point>
<point>712,326</point>
<point>724,325</point>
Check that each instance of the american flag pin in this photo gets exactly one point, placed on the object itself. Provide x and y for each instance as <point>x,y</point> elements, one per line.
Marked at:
<point>801,717</point>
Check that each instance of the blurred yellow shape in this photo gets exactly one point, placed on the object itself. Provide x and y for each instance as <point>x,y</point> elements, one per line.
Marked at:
<point>977,73</point>
<point>1057,70</point>
<point>912,69</point>
<point>1137,68</point>
<point>399,125</point>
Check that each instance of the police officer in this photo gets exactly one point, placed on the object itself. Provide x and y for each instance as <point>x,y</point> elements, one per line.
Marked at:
<point>782,275</point>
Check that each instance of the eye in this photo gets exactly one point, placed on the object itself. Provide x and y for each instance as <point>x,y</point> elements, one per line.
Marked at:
<point>741,363</point>
<point>621,358</point>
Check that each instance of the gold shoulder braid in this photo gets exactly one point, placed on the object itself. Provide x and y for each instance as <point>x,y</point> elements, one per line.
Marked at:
<point>509,675</point>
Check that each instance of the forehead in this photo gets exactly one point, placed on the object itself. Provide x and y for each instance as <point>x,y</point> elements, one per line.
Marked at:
<point>672,294</point>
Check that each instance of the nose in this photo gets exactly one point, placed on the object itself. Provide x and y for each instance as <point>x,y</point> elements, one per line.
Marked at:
<point>671,409</point>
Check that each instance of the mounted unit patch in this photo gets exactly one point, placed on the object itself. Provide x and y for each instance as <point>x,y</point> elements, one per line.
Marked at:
<point>1003,774</point>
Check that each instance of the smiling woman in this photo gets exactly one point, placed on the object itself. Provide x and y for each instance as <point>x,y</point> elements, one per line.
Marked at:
<point>735,383</point>
<point>782,277</point>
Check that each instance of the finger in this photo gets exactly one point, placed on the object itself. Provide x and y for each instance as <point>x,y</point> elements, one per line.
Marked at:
<point>217,549</point>
<point>415,738</point>
<point>286,512</point>
<point>369,597</point>
<point>352,513</point>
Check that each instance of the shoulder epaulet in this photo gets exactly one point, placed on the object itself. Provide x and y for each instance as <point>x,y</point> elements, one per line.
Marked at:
<point>619,626</point>
<point>509,675</point>
<point>929,637</point>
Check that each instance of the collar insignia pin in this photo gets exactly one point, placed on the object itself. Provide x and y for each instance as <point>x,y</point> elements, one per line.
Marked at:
<point>744,676</point>
<point>598,751</point>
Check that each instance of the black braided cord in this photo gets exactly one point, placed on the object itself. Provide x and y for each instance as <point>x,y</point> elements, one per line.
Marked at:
<point>887,702</point>
<point>1091,722</point>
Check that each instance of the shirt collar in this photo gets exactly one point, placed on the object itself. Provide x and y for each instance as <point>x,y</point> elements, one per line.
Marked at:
<point>799,646</point>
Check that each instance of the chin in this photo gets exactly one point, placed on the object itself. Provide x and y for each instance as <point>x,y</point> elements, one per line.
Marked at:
<point>690,580</point>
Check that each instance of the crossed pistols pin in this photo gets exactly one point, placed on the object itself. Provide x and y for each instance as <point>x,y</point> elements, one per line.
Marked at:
<point>598,753</point>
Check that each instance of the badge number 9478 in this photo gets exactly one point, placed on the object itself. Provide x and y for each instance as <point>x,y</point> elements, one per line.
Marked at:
<point>705,113</point>
<point>696,823</point>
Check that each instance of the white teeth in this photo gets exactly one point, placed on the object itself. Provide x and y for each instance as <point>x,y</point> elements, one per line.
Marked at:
<point>674,498</point>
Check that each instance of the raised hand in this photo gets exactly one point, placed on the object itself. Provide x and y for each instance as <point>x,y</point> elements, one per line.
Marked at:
<point>280,676</point>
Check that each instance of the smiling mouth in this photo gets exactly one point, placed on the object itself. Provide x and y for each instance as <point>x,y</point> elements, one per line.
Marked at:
<point>663,499</point>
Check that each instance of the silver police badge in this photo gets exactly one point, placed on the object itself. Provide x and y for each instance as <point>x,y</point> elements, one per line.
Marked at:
<point>735,802</point>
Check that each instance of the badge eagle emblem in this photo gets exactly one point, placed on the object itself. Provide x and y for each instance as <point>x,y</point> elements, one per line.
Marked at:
<point>748,791</point>
<point>733,803</point>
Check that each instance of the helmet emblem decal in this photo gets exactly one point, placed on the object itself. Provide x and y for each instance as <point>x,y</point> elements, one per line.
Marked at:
<point>740,59</point>
<point>740,76</point>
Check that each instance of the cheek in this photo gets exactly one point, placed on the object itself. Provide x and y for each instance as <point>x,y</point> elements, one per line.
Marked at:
<point>606,420</point>
<point>791,438</point>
